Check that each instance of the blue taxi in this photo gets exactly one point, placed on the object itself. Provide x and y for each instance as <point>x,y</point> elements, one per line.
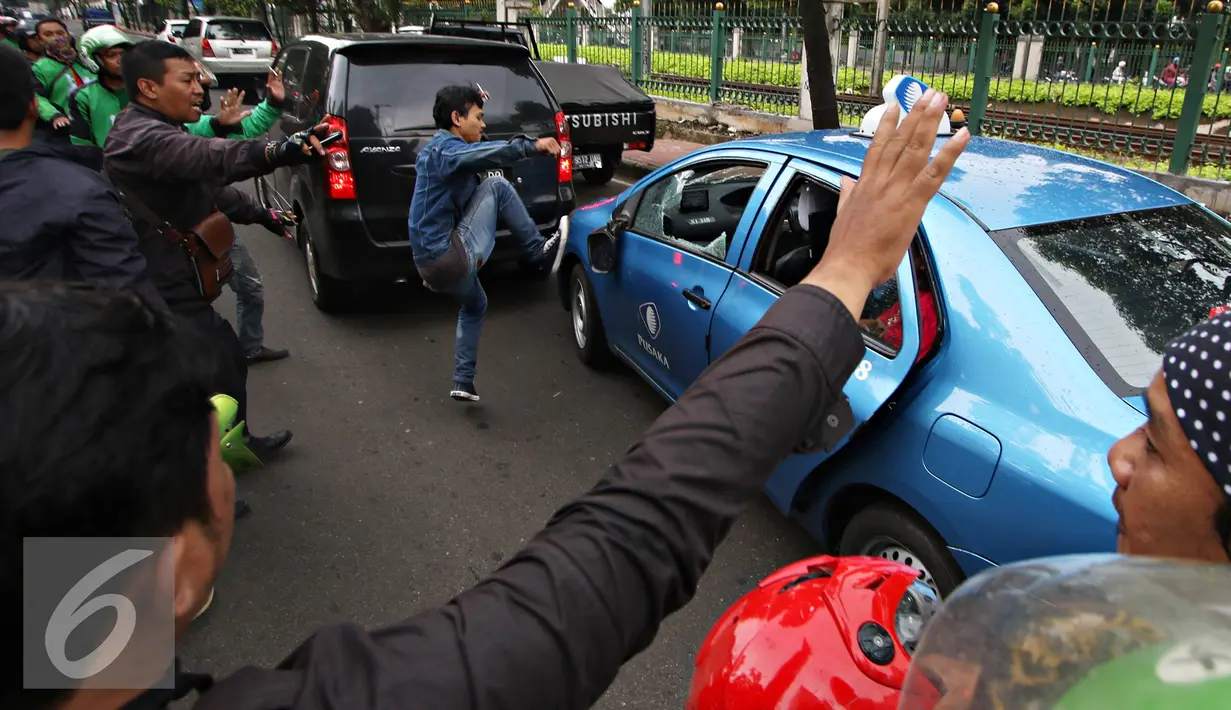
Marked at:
<point>1008,354</point>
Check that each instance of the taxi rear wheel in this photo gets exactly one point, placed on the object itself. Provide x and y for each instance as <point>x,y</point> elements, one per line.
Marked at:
<point>588,336</point>
<point>891,531</point>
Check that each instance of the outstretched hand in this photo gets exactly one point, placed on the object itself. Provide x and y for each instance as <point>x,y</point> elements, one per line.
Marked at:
<point>275,88</point>
<point>232,110</point>
<point>879,213</point>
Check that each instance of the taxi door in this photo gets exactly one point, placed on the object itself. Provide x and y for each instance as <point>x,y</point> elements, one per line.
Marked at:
<point>677,257</point>
<point>881,371</point>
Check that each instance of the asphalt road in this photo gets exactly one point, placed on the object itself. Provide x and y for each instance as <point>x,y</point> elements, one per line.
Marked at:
<point>393,498</point>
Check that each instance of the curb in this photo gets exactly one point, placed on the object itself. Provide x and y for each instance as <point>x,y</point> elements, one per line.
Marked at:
<point>636,168</point>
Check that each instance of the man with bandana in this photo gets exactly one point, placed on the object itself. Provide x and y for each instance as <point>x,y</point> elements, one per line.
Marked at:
<point>59,72</point>
<point>1173,474</point>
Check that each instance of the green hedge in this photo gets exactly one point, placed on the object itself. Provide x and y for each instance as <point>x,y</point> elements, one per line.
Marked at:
<point>1159,104</point>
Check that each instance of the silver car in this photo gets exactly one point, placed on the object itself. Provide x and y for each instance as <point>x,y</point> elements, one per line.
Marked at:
<point>231,47</point>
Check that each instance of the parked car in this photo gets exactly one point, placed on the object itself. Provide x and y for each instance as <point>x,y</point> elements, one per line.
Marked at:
<point>608,114</point>
<point>172,31</point>
<point>1048,285</point>
<point>378,90</point>
<point>97,16</point>
<point>238,50</point>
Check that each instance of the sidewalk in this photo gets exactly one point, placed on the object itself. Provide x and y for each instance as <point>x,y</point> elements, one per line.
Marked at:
<point>639,163</point>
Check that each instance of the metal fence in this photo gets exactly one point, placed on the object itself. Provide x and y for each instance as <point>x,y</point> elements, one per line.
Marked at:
<point>1092,85</point>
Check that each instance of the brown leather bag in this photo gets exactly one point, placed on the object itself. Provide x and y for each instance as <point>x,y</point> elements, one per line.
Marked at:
<point>208,245</point>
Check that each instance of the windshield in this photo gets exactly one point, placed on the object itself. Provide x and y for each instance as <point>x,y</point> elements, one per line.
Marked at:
<point>391,94</point>
<point>1122,286</point>
<point>237,29</point>
<point>1085,632</point>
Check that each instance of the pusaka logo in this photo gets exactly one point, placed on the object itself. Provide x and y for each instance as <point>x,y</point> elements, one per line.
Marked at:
<point>653,325</point>
<point>381,149</point>
<point>649,318</point>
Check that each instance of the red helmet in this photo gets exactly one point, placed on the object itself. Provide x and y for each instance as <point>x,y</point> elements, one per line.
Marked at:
<point>825,632</point>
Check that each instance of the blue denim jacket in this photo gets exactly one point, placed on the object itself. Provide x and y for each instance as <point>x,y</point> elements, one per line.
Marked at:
<point>447,177</point>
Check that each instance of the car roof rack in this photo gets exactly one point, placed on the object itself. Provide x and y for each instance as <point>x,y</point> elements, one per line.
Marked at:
<point>527,31</point>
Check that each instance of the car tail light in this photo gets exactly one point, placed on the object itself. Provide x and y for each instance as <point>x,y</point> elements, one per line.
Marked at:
<point>338,176</point>
<point>206,49</point>
<point>564,173</point>
<point>640,145</point>
<point>273,47</point>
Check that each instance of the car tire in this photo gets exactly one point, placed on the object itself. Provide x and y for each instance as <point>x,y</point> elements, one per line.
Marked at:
<point>603,175</point>
<point>328,295</point>
<point>892,531</point>
<point>588,336</point>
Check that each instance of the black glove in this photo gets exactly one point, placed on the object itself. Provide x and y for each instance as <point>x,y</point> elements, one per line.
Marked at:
<point>290,150</point>
<point>279,222</point>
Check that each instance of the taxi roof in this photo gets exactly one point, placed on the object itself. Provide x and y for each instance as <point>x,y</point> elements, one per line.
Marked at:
<point>1001,183</point>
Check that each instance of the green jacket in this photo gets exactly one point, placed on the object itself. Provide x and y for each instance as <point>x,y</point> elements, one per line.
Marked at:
<point>93,108</point>
<point>57,80</point>
<point>8,39</point>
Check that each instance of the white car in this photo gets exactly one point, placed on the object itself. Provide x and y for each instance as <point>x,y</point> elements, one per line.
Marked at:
<point>172,31</point>
<point>238,50</point>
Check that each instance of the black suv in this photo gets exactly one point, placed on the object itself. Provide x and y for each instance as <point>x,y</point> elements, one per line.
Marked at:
<point>378,90</point>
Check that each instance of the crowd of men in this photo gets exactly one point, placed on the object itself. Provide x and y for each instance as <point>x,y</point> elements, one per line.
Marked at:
<point>111,175</point>
<point>110,351</point>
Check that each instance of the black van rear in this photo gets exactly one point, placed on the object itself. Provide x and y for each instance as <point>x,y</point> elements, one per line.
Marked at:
<point>379,90</point>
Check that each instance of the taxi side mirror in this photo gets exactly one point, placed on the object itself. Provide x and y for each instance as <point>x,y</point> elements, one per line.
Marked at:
<point>603,243</point>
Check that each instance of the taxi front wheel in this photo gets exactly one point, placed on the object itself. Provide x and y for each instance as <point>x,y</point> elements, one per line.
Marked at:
<point>894,532</point>
<point>588,336</point>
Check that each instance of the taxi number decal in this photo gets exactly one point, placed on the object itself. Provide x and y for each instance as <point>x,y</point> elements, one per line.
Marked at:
<point>864,369</point>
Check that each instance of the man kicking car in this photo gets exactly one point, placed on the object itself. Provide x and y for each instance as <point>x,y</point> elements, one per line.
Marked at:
<point>453,216</point>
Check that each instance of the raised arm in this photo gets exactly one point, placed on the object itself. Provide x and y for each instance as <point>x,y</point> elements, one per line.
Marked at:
<point>458,156</point>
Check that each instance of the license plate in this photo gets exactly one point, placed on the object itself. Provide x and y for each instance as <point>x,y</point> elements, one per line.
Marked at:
<point>241,51</point>
<point>493,173</point>
<point>587,162</point>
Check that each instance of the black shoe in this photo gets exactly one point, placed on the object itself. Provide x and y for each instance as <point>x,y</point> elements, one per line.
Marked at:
<point>266,446</point>
<point>267,355</point>
<point>464,392</point>
<point>242,509</point>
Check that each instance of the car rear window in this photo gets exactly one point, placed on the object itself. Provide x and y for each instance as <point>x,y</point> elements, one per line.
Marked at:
<point>237,29</point>
<point>392,93</point>
<point>1124,285</point>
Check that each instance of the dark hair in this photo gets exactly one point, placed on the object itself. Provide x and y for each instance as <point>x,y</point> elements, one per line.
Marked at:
<point>15,95</point>
<point>454,98</point>
<point>106,422</point>
<point>148,60</point>
<point>48,18</point>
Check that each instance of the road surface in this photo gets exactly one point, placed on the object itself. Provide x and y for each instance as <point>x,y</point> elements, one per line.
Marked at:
<point>393,498</point>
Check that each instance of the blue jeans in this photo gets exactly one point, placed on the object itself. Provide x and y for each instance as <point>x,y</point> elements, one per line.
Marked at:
<point>494,202</point>
<point>249,298</point>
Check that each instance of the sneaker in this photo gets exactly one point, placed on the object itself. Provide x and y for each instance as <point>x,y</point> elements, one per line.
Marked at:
<point>464,392</point>
<point>265,446</point>
<point>266,355</point>
<point>204,607</point>
<point>542,258</point>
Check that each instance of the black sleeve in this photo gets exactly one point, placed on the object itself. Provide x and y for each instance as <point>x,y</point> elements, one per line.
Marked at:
<point>239,206</point>
<point>104,248</point>
<point>551,628</point>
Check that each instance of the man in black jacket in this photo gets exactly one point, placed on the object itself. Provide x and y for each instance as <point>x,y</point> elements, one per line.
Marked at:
<point>61,218</point>
<point>182,179</point>
<point>552,626</point>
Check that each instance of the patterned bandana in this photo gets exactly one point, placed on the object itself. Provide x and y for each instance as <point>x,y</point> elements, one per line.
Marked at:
<point>61,49</point>
<point>1197,367</point>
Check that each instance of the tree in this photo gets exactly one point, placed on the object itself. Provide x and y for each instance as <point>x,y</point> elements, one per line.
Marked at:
<point>821,89</point>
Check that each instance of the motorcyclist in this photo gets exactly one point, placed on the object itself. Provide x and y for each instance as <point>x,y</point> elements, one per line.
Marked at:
<point>94,105</point>
<point>8,29</point>
<point>60,69</point>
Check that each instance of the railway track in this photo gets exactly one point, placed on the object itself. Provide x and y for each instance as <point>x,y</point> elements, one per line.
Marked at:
<point>1124,139</point>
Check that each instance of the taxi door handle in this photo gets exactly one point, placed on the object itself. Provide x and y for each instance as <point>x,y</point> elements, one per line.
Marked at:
<point>700,301</point>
